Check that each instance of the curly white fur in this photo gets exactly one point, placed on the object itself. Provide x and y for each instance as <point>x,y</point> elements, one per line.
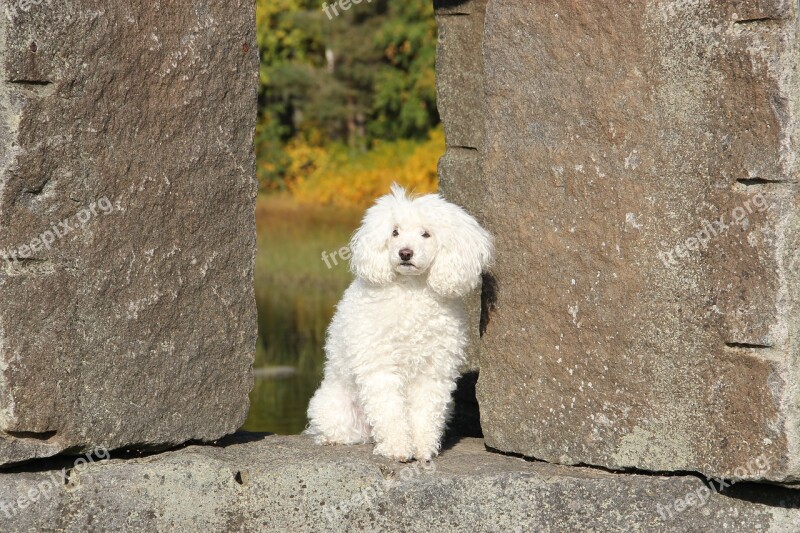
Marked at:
<point>397,339</point>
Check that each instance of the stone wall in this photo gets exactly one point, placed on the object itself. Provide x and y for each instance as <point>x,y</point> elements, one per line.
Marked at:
<point>126,223</point>
<point>636,162</point>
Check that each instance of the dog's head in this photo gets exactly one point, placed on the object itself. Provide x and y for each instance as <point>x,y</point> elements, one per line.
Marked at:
<point>424,236</point>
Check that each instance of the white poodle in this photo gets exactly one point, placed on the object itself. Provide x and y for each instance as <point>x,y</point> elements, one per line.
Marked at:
<point>397,339</point>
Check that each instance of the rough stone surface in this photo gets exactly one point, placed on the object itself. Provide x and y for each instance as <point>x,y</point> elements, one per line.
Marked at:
<point>459,82</point>
<point>459,71</point>
<point>137,326</point>
<point>275,483</point>
<point>616,131</point>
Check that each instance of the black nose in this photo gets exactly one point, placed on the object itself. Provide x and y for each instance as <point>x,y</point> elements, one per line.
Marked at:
<point>406,254</point>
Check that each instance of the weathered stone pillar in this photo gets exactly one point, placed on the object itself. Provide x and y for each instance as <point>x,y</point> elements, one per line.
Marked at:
<point>459,73</point>
<point>639,172</point>
<point>459,83</point>
<point>127,228</point>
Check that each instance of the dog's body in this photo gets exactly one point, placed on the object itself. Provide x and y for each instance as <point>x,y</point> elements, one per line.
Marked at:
<point>397,339</point>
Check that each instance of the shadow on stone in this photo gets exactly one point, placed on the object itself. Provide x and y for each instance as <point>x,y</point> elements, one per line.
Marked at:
<point>68,458</point>
<point>489,290</point>
<point>466,420</point>
<point>240,437</point>
<point>771,495</point>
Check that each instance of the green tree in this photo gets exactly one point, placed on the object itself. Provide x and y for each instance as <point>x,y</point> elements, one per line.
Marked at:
<point>362,76</point>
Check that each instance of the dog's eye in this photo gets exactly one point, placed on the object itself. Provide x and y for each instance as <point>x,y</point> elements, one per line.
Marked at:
<point>395,233</point>
<point>426,235</point>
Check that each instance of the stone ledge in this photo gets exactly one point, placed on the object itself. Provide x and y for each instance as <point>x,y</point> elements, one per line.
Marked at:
<point>254,482</point>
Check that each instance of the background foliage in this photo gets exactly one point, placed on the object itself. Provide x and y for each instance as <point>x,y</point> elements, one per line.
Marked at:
<point>348,104</point>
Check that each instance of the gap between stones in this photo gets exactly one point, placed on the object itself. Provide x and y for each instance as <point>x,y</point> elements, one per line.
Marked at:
<point>30,82</point>
<point>32,435</point>
<point>756,20</point>
<point>765,493</point>
<point>459,147</point>
<point>748,345</point>
<point>749,182</point>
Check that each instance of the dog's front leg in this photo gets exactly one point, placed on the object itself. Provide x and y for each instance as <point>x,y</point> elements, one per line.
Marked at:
<point>381,396</point>
<point>430,402</point>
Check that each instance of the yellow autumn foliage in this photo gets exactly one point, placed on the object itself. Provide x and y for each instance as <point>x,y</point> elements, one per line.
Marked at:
<point>342,177</point>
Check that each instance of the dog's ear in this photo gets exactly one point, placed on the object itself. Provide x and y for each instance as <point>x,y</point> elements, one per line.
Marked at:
<point>370,245</point>
<point>465,252</point>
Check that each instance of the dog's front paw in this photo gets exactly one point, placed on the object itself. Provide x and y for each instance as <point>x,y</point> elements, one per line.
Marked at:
<point>425,454</point>
<point>397,453</point>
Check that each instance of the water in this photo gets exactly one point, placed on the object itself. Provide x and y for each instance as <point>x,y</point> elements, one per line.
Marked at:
<point>296,293</point>
<point>289,363</point>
